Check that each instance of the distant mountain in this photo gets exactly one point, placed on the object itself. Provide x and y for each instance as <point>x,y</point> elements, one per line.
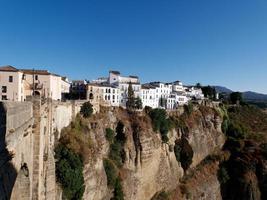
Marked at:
<point>254,96</point>
<point>221,89</point>
<point>249,95</point>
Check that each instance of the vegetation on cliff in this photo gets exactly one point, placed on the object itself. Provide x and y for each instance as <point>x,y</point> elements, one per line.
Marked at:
<point>71,153</point>
<point>115,160</point>
<point>69,172</point>
<point>86,109</point>
<point>160,122</point>
<point>244,175</point>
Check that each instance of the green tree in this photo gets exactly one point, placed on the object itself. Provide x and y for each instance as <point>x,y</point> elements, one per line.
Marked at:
<point>86,109</point>
<point>209,92</point>
<point>69,172</point>
<point>160,123</point>
<point>198,85</point>
<point>236,97</point>
<point>138,103</point>
<point>130,104</point>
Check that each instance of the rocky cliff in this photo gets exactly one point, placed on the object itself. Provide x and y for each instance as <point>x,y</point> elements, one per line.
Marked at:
<point>150,166</point>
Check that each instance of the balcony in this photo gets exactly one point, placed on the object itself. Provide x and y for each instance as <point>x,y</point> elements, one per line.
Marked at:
<point>36,86</point>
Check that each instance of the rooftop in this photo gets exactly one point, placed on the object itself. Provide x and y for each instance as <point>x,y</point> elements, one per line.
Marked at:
<point>114,72</point>
<point>8,68</point>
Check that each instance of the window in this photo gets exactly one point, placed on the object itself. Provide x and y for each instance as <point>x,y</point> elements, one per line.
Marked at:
<point>4,89</point>
<point>36,77</point>
<point>10,79</point>
<point>4,97</point>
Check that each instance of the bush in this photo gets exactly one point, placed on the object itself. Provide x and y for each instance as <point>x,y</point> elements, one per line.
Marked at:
<point>160,123</point>
<point>115,153</point>
<point>183,153</point>
<point>111,172</point>
<point>225,124</point>
<point>86,109</point>
<point>118,192</point>
<point>110,135</point>
<point>69,172</point>
<point>236,131</point>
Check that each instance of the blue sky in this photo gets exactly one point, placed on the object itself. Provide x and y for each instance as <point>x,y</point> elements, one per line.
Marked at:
<point>218,42</point>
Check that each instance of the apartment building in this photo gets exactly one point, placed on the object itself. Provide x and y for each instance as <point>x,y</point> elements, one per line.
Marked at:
<point>17,84</point>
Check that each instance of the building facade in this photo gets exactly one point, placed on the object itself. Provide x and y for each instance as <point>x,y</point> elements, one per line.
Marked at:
<point>17,84</point>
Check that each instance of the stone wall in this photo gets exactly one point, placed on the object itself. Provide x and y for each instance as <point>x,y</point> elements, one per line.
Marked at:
<point>28,131</point>
<point>16,148</point>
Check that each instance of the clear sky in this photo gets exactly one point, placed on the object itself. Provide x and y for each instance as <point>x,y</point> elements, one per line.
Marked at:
<point>218,42</point>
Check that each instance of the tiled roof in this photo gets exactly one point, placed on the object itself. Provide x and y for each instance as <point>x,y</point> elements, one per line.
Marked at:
<point>8,68</point>
<point>33,71</point>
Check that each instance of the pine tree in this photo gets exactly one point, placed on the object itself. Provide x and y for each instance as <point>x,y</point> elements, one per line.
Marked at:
<point>130,104</point>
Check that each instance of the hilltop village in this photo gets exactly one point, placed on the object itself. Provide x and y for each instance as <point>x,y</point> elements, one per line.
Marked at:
<point>18,84</point>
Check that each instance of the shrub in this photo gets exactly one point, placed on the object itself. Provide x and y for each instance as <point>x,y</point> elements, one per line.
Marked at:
<point>118,192</point>
<point>110,135</point>
<point>115,153</point>
<point>111,172</point>
<point>86,109</point>
<point>236,131</point>
<point>69,172</point>
<point>225,124</point>
<point>160,123</point>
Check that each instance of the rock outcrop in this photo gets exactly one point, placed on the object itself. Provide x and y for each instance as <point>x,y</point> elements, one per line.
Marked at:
<point>150,166</point>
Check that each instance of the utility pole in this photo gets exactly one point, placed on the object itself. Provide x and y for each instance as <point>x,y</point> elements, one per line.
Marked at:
<point>33,84</point>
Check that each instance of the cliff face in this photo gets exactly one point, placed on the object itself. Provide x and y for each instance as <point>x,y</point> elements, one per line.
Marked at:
<point>150,166</point>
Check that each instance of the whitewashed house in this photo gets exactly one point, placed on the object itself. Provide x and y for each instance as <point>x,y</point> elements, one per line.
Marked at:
<point>122,83</point>
<point>113,91</point>
<point>148,96</point>
<point>194,93</point>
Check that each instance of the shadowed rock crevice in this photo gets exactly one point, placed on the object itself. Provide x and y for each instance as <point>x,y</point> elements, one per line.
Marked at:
<point>8,172</point>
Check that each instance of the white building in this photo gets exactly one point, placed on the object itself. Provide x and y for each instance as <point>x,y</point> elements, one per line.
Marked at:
<point>148,96</point>
<point>114,91</point>
<point>194,93</point>
<point>17,84</point>
<point>122,83</point>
